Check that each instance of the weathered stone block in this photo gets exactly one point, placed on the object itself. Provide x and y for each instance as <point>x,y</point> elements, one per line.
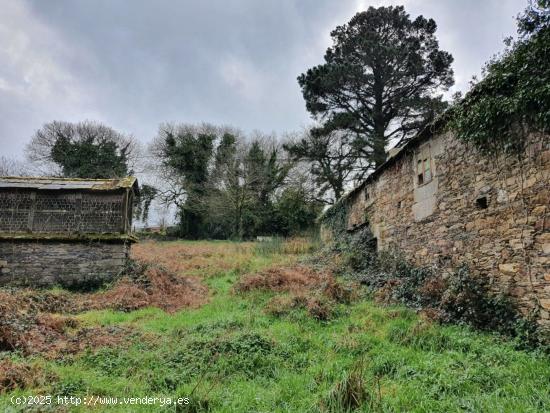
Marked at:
<point>539,210</point>
<point>545,303</point>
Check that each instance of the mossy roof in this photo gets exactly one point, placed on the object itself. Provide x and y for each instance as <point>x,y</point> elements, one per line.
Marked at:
<point>48,183</point>
<point>57,236</point>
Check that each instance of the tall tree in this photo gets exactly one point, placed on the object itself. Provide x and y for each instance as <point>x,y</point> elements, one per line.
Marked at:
<point>333,160</point>
<point>9,166</point>
<point>380,79</point>
<point>295,210</point>
<point>223,185</point>
<point>534,18</point>
<point>244,189</point>
<point>147,194</point>
<point>185,152</point>
<point>227,197</point>
<point>264,174</point>
<point>83,150</point>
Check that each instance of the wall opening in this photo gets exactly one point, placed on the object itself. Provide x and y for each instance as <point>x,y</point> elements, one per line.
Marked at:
<point>372,245</point>
<point>424,171</point>
<point>482,202</point>
<point>5,345</point>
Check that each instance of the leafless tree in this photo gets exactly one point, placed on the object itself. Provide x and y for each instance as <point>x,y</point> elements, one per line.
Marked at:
<point>335,165</point>
<point>13,167</point>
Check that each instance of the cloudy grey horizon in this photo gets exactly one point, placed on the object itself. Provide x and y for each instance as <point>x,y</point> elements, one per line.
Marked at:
<point>136,64</point>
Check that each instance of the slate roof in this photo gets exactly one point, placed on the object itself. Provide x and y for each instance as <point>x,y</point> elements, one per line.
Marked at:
<point>47,183</point>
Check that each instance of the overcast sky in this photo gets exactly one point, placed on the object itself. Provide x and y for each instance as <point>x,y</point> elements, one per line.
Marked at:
<point>133,64</point>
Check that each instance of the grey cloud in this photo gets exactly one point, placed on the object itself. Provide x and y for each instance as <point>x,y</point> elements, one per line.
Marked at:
<point>135,64</point>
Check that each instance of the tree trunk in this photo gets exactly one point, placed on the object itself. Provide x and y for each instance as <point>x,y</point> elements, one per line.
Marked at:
<point>379,149</point>
<point>379,138</point>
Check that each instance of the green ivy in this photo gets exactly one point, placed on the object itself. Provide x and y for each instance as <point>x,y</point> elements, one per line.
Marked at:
<point>512,100</point>
<point>336,217</point>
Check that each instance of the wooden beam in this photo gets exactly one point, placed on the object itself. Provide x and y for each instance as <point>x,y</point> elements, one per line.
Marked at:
<point>30,218</point>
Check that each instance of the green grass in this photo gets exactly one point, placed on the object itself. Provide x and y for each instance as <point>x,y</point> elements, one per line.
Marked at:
<point>229,356</point>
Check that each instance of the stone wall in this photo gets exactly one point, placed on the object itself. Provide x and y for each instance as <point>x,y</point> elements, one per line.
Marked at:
<point>492,214</point>
<point>68,264</point>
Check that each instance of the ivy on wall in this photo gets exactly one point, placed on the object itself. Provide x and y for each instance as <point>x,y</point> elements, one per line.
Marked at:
<point>336,217</point>
<point>511,101</point>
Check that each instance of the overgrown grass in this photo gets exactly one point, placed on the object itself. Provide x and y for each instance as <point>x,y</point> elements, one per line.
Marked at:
<point>292,246</point>
<point>231,355</point>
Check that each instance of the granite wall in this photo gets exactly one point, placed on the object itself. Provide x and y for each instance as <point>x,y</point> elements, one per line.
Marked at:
<point>491,213</point>
<point>68,264</point>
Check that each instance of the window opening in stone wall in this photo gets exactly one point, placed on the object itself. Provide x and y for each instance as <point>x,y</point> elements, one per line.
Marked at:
<point>420,173</point>
<point>427,171</point>
<point>424,171</point>
<point>482,202</point>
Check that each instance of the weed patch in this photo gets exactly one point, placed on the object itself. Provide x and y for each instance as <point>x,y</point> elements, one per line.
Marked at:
<point>282,305</point>
<point>24,328</point>
<point>290,246</point>
<point>283,279</point>
<point>148,286</point>
<point>21,376</point>
<point>204,259</point>
<point>30,321</point>
<point>461,297</point>
<point>350,393</point>
<point>318,292</point>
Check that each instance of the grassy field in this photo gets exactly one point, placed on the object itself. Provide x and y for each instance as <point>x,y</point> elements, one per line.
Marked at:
<point>230,354</point>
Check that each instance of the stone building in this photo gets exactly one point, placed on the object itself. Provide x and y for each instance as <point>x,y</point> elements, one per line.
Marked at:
<point>442,204</point>
<point>68,232</point>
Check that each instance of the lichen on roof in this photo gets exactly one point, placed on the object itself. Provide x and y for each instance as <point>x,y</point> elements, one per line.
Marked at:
<point>77,237</point>
<point>68,183</point>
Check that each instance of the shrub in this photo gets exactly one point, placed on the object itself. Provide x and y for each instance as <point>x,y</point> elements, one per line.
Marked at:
<point>468,300</point>
<point>461,297</point>
<point>320,308</point>
<point>247,353</point>
<point>336,291</point>
<point>396,280</point>
<point>278,279</point>
<point>280,306</point>
<point>21,376</point>
<point>70,387</point>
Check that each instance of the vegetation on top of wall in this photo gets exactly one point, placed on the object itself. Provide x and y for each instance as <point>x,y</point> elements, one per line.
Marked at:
<point>513,98</point>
